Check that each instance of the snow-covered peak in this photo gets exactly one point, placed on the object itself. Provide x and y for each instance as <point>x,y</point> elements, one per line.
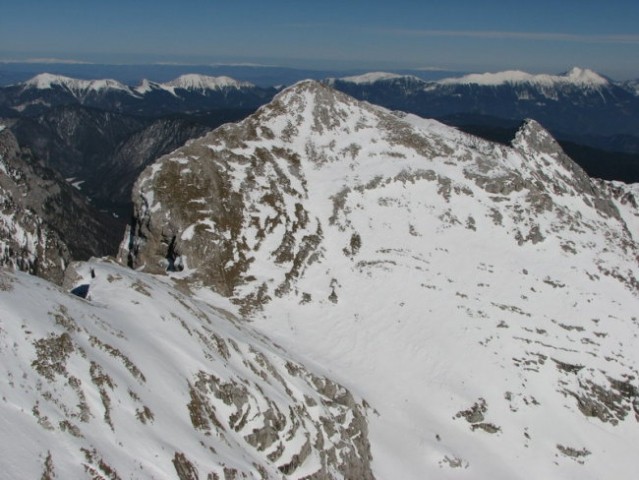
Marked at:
<point>370,77</point>
<point>301,88</point>
<point>374,77</point>
<point>44,81</point>
<point>104,84</point>
<point>532,129</point>
<point>195,82</point>
<point>533,139</point>
<point>147,86</point>
<point>346,141</point>
<point>584,76</point>
<point>576,76</point>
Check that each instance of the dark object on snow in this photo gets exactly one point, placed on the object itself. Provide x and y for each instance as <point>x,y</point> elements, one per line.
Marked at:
<point>81,290</point>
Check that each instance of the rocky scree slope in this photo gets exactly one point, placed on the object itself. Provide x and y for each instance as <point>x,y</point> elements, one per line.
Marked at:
<point>482,298</point>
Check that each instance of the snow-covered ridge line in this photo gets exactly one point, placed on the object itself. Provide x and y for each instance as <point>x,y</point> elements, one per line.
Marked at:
<point>576,76</point>
<point>191,82</point>
<point>581,77</point>
<point>194,81</point>
<point>373,77</point>
<point>44,81</point>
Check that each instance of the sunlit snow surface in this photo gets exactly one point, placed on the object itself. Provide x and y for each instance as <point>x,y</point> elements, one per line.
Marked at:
<point>140,376</point>
<point>451,276</point>
<point>204,82</point>
<point>481,299</point>
<point>436,312</point>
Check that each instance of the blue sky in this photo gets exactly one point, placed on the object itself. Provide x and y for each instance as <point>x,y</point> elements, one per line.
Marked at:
<point>479,35</point>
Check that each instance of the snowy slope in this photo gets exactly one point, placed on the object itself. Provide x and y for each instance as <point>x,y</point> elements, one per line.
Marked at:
<point>143,381</point>
<point>481,298</point>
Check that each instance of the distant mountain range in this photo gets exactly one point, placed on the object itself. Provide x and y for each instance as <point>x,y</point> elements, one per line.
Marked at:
<point>133,74</point>
<point>185,94</point>
<point>563,103</point>
<point>104,132</point>
<point>580,105</point>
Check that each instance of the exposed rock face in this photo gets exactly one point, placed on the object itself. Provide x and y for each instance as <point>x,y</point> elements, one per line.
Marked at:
<point>626,198</point>
<point>44,221</point>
